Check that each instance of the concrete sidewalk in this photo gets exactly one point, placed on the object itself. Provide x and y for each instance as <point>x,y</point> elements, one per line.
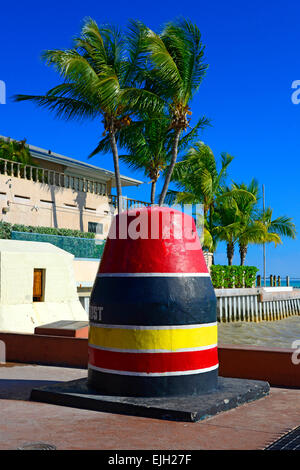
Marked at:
<point>251,426</point>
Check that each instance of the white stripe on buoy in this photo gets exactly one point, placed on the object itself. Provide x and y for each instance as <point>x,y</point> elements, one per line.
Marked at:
<point>153,374</point>
<point>154,327</point>
<point>137,351</point>
<point>153,275</point>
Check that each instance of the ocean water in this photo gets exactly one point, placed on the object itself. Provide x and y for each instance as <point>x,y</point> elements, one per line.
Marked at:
<point>277,334</point>
<point>294,282</point>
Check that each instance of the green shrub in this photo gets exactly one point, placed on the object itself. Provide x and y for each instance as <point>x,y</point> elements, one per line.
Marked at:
<point>6,229</point>
<point>233,276</point>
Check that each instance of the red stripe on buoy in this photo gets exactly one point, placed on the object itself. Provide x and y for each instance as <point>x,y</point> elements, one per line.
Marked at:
<point>153,362</point>
<point>168,243</point>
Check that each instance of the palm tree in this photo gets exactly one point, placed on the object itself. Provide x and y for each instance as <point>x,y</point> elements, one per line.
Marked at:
<point>148,143</point>
<point>147,150</point>
<point>198,180</point>
<point>16,151</point>
<point>250,231</point>
<point>241,222</point>
<point>178,68</point>
<point>99,76</point>
<point>234,227</point>
<point>145,142</point>
<point>228,232</point>
<point>281,226</point>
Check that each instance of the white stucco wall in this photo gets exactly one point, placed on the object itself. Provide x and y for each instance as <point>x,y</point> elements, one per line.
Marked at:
<point>33,203</point>
<point>85,271</point>
<point>18,312</point>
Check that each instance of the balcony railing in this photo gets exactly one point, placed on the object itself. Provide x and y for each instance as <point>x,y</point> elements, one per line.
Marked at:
<point>127,203</point>
<point>51,177</point>
<point>54,178</point>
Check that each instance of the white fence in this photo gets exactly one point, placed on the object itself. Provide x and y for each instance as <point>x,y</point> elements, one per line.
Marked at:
<point>256,305</point>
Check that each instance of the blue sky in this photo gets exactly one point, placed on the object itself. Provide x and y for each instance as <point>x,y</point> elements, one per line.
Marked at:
<point>253,54</point>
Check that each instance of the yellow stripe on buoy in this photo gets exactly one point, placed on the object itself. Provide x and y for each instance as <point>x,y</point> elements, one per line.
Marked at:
<point>154,339</point>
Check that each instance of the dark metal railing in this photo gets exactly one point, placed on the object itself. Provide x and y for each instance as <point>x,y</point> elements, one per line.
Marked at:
<point>128,203</point>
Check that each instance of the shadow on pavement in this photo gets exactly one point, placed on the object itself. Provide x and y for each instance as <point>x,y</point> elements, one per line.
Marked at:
<point>15,389</point>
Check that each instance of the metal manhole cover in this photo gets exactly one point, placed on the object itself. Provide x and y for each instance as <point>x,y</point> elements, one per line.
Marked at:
<point>290,441</point>
<point>36,446</point>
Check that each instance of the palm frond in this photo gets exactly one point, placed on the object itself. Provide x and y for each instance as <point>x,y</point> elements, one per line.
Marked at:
<point>92,38</point>
<point>283,226</point>
<point>63,107</point>
<point>136,52</point>
<point>141,100</point>
<point>166,68</point>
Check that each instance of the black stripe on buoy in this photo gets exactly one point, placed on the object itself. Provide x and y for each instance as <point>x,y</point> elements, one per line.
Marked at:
<point>153,300</point>
<point>164,386</point>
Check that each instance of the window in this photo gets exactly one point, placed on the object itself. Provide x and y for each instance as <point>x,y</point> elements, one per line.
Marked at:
<point>38,285</point>
<point>46,202</point>
<point>95,227</point>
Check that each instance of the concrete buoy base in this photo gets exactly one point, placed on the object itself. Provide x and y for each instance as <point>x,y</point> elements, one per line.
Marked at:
<point>230,394</point>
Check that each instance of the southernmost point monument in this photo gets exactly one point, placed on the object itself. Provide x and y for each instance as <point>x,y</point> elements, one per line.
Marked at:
<point>152,348</point>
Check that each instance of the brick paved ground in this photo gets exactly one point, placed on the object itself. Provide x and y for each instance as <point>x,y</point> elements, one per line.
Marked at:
<point>251,426</point>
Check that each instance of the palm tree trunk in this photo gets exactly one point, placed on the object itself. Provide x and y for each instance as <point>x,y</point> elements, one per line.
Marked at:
<point>153,187</point>
<point>170,168</point>
<point>243,253</point>
<point>211,213</point>
<point>230,253</point>
<point>114,150</point>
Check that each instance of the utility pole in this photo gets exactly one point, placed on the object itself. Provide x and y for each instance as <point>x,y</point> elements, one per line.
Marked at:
<point>264,246</point>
